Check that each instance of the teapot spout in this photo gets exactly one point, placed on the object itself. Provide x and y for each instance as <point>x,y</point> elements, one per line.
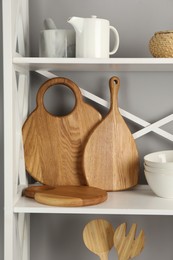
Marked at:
<point>77,23</point>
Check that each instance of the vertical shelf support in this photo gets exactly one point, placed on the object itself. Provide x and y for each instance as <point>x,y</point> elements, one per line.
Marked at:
<point>22,241</point>
<point>16,88</point>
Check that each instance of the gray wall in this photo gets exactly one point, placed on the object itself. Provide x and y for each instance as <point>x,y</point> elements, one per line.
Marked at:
<point>136,20</point>
<point>147,95</point>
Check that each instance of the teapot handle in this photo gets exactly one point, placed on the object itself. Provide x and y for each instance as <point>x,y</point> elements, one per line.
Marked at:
<point>116,38</point>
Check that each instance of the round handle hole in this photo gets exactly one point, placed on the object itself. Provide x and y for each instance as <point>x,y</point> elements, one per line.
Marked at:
<point>115,81</point>
<point>59,100</point>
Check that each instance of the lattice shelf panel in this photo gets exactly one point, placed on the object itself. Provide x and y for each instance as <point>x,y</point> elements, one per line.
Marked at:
<point>147,127</point>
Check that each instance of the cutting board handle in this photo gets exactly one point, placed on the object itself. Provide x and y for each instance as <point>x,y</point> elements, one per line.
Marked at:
<point>57,81</point>
<point>114,85</point>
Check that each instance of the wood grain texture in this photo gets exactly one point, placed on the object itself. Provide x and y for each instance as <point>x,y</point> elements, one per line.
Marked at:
<point>71,196</point>
<point>98,237</point>
<point>111,160</point>
<point>127,246</point>
<point>53,145</point>
<point>31,190</point>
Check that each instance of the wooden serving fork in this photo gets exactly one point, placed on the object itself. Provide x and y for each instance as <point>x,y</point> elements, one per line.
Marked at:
<point>128,246</point>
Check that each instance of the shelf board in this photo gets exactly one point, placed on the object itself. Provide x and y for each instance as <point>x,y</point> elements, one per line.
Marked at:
<point>138,201</point>
<point>84,64</point>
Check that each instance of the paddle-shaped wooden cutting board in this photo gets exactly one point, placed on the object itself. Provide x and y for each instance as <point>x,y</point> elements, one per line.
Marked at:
<point>71,196</point>
<point>53,145</point>
<point>111,159</point>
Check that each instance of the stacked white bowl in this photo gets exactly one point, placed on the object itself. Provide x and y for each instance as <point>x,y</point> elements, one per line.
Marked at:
<point>158,169</point>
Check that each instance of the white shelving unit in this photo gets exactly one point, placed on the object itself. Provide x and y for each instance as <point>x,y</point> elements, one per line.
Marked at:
<point>84,64</point>
<point>139,201</point>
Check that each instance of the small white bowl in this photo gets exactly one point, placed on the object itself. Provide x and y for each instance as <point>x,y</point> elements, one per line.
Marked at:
<point>161,159</point>
<point>160,184</point>
<point>158,170</point>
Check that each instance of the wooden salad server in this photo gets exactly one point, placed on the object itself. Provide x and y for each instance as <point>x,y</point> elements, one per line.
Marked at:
<point>98,237</point>
<point>127,246</point>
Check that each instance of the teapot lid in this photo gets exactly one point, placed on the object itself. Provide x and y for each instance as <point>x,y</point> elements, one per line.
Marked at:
<point>95,17</point>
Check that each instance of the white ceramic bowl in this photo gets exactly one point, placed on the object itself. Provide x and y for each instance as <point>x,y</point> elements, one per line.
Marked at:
<point>161,159</point>
<point>160,184</point>
<point>158,170</point>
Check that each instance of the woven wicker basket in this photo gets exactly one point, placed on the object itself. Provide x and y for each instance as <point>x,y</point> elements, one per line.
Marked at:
<point>161,44</point>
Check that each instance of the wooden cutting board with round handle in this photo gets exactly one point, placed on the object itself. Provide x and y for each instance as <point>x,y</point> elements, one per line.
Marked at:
<point>111,160</point>
<point>71,196</point>
<point>53,145</point>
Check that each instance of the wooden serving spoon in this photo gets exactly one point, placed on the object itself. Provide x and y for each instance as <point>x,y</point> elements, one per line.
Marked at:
<point>98,237</point>
<point>128,247</point>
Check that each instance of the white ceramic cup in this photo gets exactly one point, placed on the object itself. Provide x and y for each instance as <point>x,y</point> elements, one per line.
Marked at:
<point>57,43</point>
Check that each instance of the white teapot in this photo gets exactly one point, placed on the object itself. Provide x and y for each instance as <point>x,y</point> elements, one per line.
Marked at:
<point>93,37</point>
